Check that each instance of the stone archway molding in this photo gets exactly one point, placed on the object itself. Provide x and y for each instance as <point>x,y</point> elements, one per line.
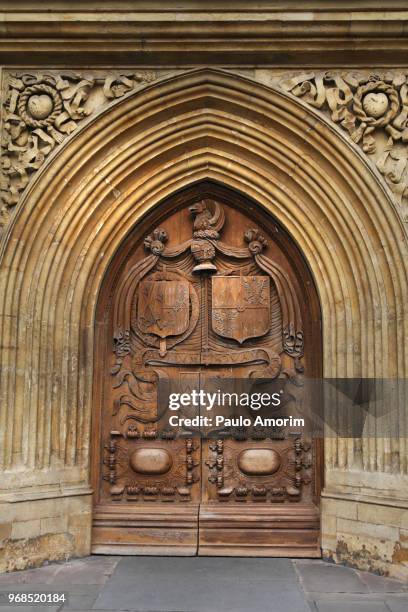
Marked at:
<point>203,124</point>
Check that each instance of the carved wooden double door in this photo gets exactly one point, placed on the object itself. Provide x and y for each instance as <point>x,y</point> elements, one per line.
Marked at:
<point>210,292</point>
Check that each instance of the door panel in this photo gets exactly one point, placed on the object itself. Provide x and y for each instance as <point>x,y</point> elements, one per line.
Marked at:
<point>205,294</point>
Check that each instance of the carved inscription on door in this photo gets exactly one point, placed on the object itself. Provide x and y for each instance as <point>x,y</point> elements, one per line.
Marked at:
<point>206,294</point>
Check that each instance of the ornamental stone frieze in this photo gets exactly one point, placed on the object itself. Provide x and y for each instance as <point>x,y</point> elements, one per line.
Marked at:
<point>372,108</point>
<point>40,109</point>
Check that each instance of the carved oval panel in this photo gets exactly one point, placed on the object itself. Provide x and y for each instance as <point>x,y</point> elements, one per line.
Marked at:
<point>259,461</point>
<point>150,461</point>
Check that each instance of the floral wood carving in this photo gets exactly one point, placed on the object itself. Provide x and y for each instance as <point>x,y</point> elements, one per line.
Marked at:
<point>39,111</point>
<point>373,109</point>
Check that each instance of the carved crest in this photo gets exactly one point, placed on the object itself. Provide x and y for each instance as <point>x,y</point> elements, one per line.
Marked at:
<point>206,227</point>
<point>163,307</point>
<point>240,306</point>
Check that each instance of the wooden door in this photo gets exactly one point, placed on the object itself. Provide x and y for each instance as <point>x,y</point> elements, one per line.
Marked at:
<point>207,289</point>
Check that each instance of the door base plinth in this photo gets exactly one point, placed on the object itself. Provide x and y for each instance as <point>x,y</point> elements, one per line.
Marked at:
<point>250,530</point>
<point>208,530</point>
<point>145,530</point>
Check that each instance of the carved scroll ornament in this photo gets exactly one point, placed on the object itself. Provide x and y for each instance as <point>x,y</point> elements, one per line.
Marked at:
<point>373,109</point>
<point>162,308</point>
<point>39,111</point>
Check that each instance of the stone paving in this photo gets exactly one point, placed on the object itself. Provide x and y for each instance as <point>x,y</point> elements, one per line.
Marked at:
<point>205,584</point>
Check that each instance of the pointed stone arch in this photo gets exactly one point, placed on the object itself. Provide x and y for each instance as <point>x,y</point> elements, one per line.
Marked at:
<point>203,124</point>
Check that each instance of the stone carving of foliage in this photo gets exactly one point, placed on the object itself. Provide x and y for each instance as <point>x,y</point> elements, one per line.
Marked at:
<point>373,109</point>
<point>39,111</point>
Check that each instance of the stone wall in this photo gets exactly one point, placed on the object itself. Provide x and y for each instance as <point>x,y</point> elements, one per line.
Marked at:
<point>369,536</point>
<point>38,530</point>
<point>76,177</point>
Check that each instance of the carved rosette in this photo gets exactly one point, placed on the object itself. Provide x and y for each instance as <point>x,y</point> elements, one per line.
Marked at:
<point>368,107</point>
<point>375,104</point>
<point>40,111</point>
<point>156,241</point>
<point>40,105</point>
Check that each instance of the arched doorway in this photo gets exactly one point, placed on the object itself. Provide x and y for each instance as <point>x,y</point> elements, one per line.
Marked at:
<point>207,287</point>
<point>74,220</point>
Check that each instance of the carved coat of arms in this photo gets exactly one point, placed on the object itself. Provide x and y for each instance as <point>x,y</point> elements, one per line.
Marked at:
<point>240,306</point>
<point>163,307</point>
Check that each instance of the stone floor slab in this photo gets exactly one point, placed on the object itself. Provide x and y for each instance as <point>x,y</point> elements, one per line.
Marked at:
<point>72,589</point>
<point>355,606</point>
<point>206,584</point>
<point>93,570</point>
<point>79,602</point>
<point>44,575</point>
<point>380,584</point>
<point>215,567</point>
<point>397,604</point>
<point>346,597</point>
<point>203,596</point>
<point>322,577</point>
<point>30,608</point>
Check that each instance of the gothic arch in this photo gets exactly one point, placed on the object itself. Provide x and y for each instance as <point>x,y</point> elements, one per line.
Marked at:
<point>204,124</point>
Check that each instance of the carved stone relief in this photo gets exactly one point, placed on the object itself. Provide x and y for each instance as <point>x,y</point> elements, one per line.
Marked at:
<point>372,108</point>
<point>40,110</point>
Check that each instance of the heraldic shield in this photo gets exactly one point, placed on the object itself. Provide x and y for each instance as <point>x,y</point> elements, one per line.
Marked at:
<point>163,307</point>
<point>240,306</point>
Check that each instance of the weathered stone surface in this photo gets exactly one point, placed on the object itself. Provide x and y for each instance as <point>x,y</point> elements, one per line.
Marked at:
<point>25,529</point>
<point>61,526</point>
<point>57,524</point>
<point>339,508</point>
<point>32,552</point>
<point>101,146</point>
<point>239,33</point>
<point>371,108</point>
<point>367,553</point>
<point>381,515</point>
<point>5,531</point>
<point>40,110</point>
